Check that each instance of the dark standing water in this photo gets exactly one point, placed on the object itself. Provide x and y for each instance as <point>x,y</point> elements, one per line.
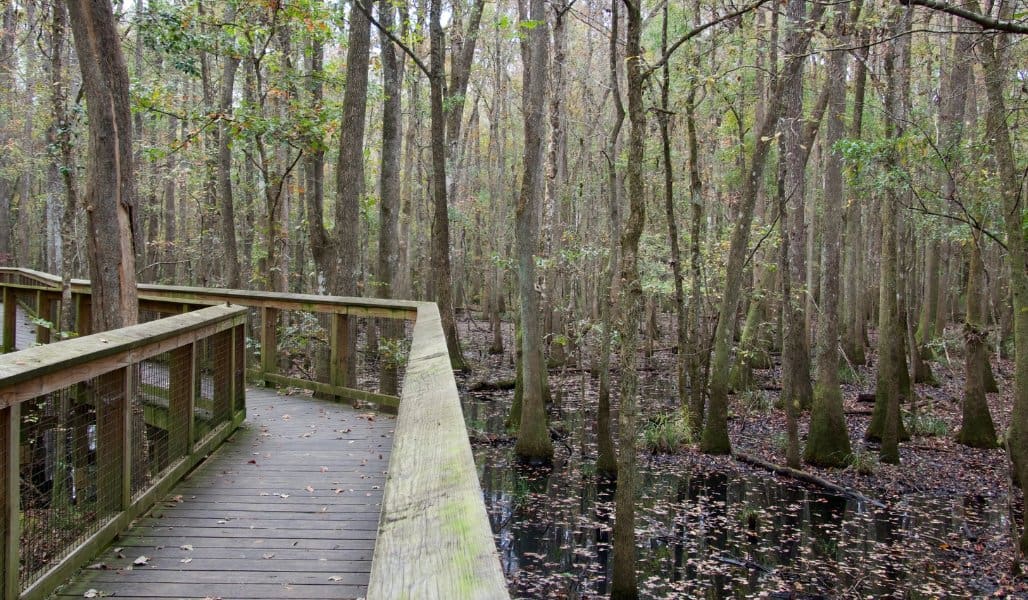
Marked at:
<point>717,535</point>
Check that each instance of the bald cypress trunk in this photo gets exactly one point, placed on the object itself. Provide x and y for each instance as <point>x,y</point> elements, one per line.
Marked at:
<point>623,583</point>
<point>533,442</point>
<point>828,440</point>
<point>976,427</point>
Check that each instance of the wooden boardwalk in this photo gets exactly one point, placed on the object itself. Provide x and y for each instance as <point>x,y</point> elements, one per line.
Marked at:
<point>287,508</point>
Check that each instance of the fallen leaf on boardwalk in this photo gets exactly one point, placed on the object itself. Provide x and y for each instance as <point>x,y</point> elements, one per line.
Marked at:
<point>186,547</point>
<point>286,417</point>
<point>283,495</point>
<point>264,494</point>
<point>142,560</point>
<point>324,469</point>
<point>178,498</point>
<point>91,593</point>
<point>252,461</point>
<point>335,578</point>
<point>268,556</point>
<point>98,565</point>
<point>339,490</point>
<point>309,489</point>
<point>186,561</point>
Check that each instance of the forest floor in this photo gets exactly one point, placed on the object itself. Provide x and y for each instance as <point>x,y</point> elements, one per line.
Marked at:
<point>944,530</point>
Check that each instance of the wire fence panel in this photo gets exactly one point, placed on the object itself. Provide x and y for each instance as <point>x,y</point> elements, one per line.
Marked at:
<point>61,482</point>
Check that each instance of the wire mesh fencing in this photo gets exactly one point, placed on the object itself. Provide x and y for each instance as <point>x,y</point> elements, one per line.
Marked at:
<point>66,489</point>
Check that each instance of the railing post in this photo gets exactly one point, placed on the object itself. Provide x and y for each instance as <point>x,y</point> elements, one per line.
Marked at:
<point>83,315</point>
<point>181,400</point>
<point>221,348</point>
<point>339,357</point>
<point>10,319</point>
<point>10,424</point>
<point>269,341</point>
<point>239,371</point>
<point>113,440</point>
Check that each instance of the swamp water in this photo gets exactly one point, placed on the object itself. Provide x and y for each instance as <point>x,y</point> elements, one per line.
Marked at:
<point>711,534</point>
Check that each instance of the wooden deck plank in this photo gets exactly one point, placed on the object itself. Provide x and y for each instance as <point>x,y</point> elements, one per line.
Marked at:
<point>287,508</point>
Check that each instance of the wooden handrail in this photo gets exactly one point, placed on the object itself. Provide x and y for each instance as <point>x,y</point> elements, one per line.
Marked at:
<point>434,538</point>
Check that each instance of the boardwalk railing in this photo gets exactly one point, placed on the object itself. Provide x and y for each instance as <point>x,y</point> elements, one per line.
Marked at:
<point>95,429</point>
<point>434,537</point>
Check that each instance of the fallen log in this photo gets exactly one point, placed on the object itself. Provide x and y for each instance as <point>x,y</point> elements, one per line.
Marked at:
<point>807,477</point>
<point>491,386</point>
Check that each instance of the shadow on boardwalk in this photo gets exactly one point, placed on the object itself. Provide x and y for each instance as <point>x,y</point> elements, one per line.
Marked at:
<point>287,508</point>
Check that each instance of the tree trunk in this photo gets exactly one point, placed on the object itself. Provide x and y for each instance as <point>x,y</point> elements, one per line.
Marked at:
<point>226,202</point>
<point>440,206</point>
<point>533,442</point>
<point>1013,211</point>
<point>623,580</point>
<point>389,187</point>
<point>976,427</point>
<point>891,359</point>
<point>828,440</point>
<point>715,431</point>
<point>110,196</point>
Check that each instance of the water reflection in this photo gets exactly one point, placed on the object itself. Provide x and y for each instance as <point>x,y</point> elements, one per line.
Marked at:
<point>715,535</point>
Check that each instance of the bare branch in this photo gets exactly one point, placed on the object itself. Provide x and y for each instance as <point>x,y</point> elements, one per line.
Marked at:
<point>986,22</point>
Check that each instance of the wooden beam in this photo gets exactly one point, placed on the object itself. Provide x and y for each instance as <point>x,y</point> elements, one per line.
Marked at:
<point>222,375</point>
<point>10,319</point>
<point>239,369</point>
<point>10,425</point>
<point>269,343</point>
<point>113,427</point>
<point>181,376</point>
<point>334,390</point>
<point>339,350</point>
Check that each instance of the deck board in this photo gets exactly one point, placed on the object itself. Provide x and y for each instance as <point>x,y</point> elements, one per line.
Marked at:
<point>288,508</point>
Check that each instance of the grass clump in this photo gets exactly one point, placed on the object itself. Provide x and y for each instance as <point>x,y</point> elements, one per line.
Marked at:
<point>864,463</point>
<point>667,432</point>
<point>926,425</point>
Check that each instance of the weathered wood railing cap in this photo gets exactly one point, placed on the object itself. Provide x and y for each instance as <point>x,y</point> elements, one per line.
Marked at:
<point>434,537</point>
<point>38,370</point>
<point>343,304</point>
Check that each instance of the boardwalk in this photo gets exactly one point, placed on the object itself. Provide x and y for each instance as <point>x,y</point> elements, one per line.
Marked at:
<point>288,508</point>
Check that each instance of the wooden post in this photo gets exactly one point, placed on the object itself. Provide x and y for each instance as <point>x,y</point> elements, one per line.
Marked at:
<point>83,315</point>
<point>10,319</point>
<point>181,375</point>
<point>239,369</point>
<point>10,422</point>
<point>269,341</point>
<point>221,349</point>
<point>42,333</point>
<point>339,340</point>
<point>113,441</point>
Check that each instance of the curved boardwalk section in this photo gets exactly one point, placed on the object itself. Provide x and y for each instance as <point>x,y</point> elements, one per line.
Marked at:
<point>287,508</point>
